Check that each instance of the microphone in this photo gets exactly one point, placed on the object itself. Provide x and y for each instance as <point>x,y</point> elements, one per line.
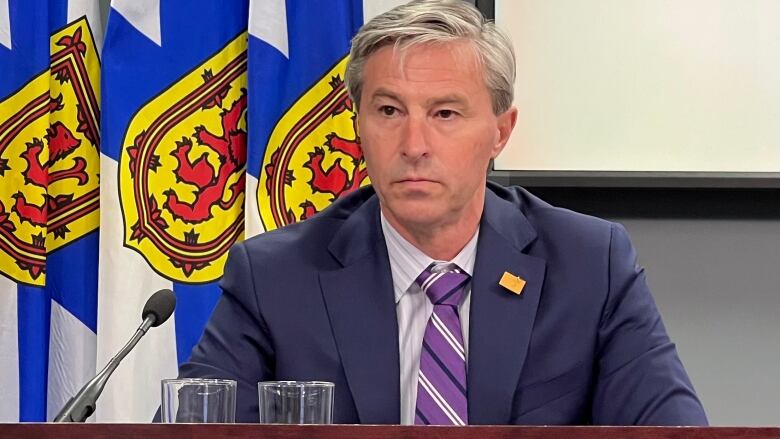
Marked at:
<point>156,311</point>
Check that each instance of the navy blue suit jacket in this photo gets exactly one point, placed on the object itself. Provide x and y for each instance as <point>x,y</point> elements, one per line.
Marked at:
<point>583,343</point>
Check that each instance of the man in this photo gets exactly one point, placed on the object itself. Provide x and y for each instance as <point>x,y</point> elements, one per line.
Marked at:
<point>434,297</point>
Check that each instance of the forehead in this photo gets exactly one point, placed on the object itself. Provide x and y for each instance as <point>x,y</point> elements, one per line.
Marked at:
<point>429,65</point>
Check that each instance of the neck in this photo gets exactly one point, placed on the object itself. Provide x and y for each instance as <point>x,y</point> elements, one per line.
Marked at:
<point>441,242</point>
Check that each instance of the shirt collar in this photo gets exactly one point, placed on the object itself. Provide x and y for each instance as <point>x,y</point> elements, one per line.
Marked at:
<point>407,261</point>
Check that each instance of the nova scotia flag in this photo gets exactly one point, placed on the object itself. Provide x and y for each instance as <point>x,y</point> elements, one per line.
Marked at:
<point>49,199</point>
<point>173,164</point>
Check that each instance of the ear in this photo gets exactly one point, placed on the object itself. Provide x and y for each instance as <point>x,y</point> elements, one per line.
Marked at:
<point>356,120</point>
<point>505,125</point>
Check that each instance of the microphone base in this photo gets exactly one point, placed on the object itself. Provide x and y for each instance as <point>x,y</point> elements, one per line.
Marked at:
<point>75,412</point>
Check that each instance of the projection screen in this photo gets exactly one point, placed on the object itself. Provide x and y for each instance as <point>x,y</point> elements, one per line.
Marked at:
<point>645,86</point>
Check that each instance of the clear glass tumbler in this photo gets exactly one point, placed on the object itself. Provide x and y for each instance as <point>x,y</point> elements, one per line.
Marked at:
<point>295,402</point>
<point>198,400</point>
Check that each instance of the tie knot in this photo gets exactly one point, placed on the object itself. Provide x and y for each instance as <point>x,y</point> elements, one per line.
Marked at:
<point>443,283</point>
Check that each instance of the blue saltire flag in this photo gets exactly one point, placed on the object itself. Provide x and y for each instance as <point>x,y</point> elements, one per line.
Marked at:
<point>303,149</point>
<point>172,168</point>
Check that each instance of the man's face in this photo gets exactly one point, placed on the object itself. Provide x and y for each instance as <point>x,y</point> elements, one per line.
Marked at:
<point>428,132</point>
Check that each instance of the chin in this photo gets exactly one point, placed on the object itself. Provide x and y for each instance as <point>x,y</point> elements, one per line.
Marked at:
<point>417,216</point>
<point>414,209</point>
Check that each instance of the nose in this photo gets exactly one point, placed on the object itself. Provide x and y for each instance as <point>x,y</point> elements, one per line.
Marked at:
<point>414,141</point>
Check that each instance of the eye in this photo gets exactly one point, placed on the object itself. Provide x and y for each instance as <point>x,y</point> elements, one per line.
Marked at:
<point>388,110</point>
<point>446,114</point>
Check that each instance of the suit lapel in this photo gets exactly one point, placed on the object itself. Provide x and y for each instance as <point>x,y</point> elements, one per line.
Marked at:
<point>500,321</point>
<point>361,306</point>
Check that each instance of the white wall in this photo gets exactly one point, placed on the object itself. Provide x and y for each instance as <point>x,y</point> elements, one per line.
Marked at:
<point>641,85</point>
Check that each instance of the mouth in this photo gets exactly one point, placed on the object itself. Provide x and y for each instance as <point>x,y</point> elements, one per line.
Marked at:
<point>416,180</point>
<point>416,185</point>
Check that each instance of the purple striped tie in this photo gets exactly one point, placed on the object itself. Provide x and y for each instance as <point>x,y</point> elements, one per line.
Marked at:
<point>441,383</point>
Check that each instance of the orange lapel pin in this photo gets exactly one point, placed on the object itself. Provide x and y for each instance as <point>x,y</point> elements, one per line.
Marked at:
<point>512,283</point>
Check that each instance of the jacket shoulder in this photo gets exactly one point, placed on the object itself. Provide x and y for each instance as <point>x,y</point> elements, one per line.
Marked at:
<point>307,239</point>
<point>552,222</point>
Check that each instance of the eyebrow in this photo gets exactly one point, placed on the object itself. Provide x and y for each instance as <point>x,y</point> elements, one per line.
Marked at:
<point>453,98</point>
<point>384,93</point>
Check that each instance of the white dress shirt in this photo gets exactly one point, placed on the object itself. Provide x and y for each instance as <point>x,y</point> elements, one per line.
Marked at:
<point>413,308</point>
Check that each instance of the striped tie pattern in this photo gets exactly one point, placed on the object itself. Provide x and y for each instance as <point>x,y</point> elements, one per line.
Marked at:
<point>441,385</point>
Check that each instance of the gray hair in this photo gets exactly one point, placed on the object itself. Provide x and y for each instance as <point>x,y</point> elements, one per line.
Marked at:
<point>437,21</point>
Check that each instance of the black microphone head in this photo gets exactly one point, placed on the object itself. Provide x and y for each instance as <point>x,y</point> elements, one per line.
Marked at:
<point>160,305</point>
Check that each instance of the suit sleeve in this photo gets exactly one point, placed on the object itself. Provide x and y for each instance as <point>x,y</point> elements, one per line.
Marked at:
<point>236,343</point>
<point>640,380</point>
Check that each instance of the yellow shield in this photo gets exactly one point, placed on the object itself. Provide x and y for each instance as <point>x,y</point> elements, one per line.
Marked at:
<point>313,155</point>
<point>49,157</point>
<point>181,172</point>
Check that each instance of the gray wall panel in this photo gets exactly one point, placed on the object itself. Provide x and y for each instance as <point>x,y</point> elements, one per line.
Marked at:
<point>717,283</point>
